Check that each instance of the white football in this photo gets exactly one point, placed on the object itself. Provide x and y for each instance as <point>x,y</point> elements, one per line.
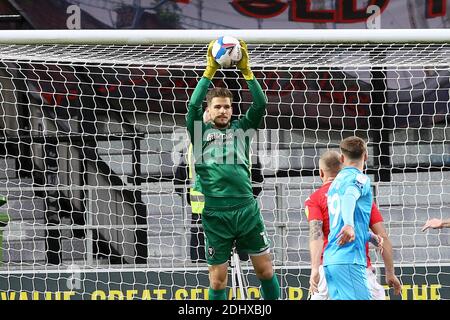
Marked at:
<point>227,51</point>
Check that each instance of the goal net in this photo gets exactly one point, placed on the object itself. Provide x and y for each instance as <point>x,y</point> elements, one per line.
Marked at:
<point>93,159</point>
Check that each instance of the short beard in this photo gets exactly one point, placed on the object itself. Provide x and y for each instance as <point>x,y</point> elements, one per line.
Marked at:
<point>221,126</point>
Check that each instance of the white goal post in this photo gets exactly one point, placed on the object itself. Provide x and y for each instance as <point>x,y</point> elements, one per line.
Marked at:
<point>93,154</point>
<point>264,36</point>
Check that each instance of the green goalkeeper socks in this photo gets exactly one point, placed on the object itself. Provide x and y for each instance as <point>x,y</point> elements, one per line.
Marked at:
<point>270,288</point>
<point>217,294</point>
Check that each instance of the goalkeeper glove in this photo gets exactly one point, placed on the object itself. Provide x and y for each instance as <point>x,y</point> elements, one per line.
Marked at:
<point>211,63</point>
<point>243,64</point>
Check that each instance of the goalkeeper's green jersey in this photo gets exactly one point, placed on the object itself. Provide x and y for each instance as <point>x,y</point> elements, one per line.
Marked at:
<point>222,156</point>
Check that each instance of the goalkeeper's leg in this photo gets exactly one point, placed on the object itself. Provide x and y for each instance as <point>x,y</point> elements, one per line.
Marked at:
<point>264,271</point>
<point>218,244</point>
<point>256,243</point>
<point>218,277</point>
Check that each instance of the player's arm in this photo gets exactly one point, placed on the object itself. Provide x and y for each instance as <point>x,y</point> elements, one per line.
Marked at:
<point>376,225</point>
<point>375,217</point>
<point>376,240</point>
<point>436,224</point>
<point>195,111</point>
<point>255,113</point>
<point>315,249</point>
<point>348,205</point>
<point>316,240</point>
<point>388,257</point>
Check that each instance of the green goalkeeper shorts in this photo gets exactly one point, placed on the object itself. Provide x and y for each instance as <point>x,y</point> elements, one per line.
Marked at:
<point>223,226</point>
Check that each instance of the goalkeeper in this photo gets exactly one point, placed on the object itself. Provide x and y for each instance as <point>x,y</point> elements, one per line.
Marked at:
<point>222,163</point>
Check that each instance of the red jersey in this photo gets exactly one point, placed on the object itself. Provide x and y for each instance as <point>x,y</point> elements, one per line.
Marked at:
<point>316,209</point>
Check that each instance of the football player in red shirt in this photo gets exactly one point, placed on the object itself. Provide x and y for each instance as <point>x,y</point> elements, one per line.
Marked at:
<point>317,212</point>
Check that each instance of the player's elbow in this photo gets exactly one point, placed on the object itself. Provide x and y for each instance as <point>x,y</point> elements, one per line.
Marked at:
<point>262,104</point>
<point>379,230</point>
<point>384,235</point>
<point>386,240</point>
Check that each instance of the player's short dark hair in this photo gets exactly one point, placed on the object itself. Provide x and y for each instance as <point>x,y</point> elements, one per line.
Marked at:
<point>331,162</point>
<point>353,148</point>
<point>218,92</point>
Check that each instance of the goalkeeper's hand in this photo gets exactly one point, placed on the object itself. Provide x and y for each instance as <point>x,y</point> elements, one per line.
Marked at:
<point>211,63</point>
<point>244,63</point>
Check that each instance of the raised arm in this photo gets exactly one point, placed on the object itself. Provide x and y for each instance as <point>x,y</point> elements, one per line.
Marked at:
<point>195,111</point>
<point>254,115</point>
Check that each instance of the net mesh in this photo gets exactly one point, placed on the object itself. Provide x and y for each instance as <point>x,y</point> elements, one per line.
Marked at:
<point>94,161</point>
